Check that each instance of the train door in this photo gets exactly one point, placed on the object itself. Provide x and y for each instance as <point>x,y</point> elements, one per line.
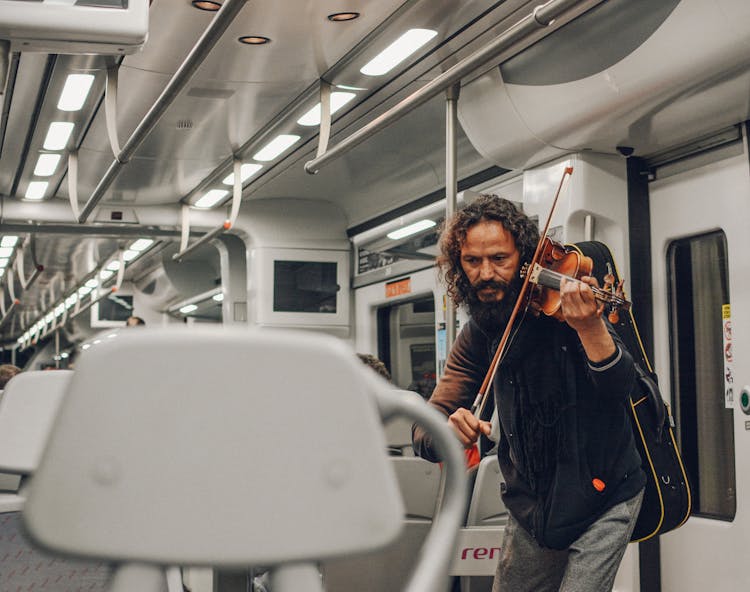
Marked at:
<point>700,245</point>
<point>396,320</point>
<point>406,343</point>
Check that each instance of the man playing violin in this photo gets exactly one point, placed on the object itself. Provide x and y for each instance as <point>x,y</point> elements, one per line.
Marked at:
<point>573,479</point>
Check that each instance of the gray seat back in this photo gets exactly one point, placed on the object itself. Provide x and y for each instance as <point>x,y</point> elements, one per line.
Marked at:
<point>27,410</point>
<point>216,447</point>
<point>486,507</point>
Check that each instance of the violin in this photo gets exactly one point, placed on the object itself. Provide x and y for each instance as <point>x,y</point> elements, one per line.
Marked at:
<point>557,261</point>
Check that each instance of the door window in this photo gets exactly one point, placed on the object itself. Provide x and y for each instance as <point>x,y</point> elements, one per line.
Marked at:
<point>698,297</point>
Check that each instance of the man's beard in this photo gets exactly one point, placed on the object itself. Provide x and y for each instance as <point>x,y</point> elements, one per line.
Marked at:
<point>493,316</point>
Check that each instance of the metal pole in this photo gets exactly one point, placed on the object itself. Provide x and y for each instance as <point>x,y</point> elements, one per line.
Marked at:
<point>542,17</point>
<point>451,191</point>
<point>211,35</point>
<point>57,349</point>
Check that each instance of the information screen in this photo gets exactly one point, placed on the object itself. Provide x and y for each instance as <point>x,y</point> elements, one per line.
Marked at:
<point>305,286</point>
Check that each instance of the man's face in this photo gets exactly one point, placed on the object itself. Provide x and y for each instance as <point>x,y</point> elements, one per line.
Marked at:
<point>490,260</point>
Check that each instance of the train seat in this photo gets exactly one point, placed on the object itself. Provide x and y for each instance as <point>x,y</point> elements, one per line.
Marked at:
<point>389,568</point>
<point>286,422</point>
<point>398,435</point>
<point>486,510</point>
<point>27,411</point>
<point>486,507</point>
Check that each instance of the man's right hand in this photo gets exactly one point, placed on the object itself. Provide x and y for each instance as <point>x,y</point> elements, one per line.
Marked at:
<point>467,427</point>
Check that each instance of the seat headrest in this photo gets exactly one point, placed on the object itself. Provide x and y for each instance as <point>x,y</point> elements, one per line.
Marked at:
<point>27,410</point>
<point>216,447</point>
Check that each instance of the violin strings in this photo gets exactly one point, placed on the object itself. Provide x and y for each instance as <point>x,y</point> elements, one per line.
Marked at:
<point>608,296</point>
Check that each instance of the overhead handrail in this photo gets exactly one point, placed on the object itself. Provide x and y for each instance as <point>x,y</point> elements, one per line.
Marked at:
<point>16,269</point>
<point>186,249</point>
<point>198,298</point>
<point>510,42</point>
<point>78,308</point>
<point>214,31</point>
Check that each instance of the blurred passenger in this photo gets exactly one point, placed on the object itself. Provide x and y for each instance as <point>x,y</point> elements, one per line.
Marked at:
<point>135,322</point>
<point>7,371</point>
<point>376,365</point>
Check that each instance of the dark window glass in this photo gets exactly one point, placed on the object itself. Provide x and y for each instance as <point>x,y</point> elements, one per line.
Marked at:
<point>304,286</point>
<point>698,291</point>
<point>115,308</point>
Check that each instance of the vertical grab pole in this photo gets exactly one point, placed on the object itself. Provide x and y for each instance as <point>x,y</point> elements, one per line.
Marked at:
<point>451,190</point>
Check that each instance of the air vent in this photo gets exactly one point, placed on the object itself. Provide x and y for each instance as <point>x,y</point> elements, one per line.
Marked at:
<point>185,124</point>
<point>210,93</point>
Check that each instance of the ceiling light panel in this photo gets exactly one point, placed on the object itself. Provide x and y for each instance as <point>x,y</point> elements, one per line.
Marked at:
<point>397,51</point>
<point>36,190</point>
<point>141,244</point>
<point>338,100</point>
<point>6,251</point>
<point>58,135</point>
<point>411,229</point>
<point>275,147</point>
<point>75,91</point>
<point>211,198</point>
<point>8,240</point>
<point>246,171</point>
<point>46,165</point>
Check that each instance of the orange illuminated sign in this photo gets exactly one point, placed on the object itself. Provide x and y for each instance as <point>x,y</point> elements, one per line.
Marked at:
<point>398,288</point>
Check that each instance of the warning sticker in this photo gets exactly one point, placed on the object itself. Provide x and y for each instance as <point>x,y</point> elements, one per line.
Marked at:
<point>726,318</point>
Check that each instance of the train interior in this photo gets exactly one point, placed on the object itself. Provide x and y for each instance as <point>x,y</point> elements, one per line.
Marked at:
<point>226,165</point>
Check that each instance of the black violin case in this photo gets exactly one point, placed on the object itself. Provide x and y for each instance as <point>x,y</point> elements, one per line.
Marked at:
<point>667,498</point>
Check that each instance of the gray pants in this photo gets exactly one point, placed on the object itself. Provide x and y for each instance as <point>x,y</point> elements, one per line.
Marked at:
<point>588,565</point>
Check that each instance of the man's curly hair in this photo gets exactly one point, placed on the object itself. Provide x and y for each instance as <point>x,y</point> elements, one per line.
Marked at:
<point>487,207</point>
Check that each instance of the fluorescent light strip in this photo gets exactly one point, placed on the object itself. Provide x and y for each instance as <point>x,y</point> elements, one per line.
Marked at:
<point>188,308</point>
<point>6,251</point>
<point>141,244</point>
<point>211,198</point>
<point>75,91</point>
<point>275,147</point>
<point>4,262</point>
<point>58,135</point>
<point>338,100</point>
<point>129,255</point>
<point>397,51</point>
<point>411,229</point>
<point>46,165</point>
<point>36,190</point>
<point>8,240</point>
<point>246,171</point>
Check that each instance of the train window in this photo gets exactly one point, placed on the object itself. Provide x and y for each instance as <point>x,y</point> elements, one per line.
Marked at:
<point>304,286</point>
<point>698,293</point>
<point>111,311</point>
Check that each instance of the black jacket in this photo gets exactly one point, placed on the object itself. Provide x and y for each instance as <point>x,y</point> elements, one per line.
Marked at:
<point>566,450</point>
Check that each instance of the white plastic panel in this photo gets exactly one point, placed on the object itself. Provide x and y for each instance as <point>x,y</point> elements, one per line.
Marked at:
<point>117,28</point>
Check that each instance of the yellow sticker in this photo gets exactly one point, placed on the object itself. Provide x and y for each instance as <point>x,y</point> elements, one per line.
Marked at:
<point>726,311</point>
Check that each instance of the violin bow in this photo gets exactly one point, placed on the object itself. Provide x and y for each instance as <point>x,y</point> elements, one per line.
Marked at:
<point>480,402</point>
